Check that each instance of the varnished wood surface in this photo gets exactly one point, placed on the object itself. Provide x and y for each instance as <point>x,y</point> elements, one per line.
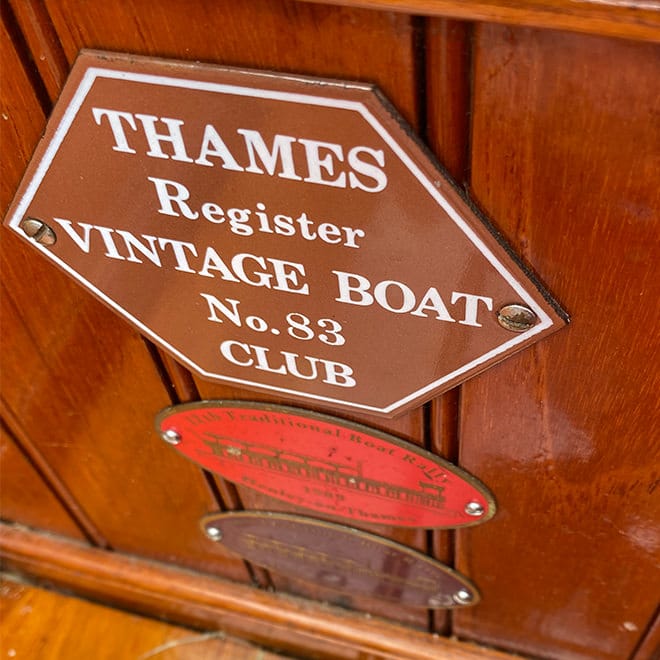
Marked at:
<point>562,130</point>
<point>284,36</point>
<point>298,627</point>
<point>35,623</point>
<point>634,19</point>
<point>565,160</point>
<point>447,61</point>
<point>26,497</point>
<point>46,52</point>
<point>649,646</point>
<point>80,389</point>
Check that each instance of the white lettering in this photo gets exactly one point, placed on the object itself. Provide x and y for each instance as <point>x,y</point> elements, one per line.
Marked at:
<point>281,151</point>
<point>471,307</point>
<point>114,119</point>
<point>213,145</point>
<point>178,196</point>
<point>304,367</point>
<point>369,170</point>
<point>173,136</point>
<point>317,165</point>
<point>216,305</point>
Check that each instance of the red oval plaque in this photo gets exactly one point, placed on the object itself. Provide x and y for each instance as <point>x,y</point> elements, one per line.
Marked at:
<point>325,464</point>
<point>340,558</point>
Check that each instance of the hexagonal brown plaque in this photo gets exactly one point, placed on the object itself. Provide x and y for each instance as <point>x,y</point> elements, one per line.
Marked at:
<point>274,232</point>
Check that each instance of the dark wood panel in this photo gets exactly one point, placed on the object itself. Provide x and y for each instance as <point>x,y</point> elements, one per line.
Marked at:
<point>284,36</point>
<point>565,160</point>
<point>82,390</point>
<point>281,35</point>
<point>304,629</point>
<point>447,86</point>
<point>45,49</point>
<point>24,495</point>
<point>636,19</point>
<point>22,118</point>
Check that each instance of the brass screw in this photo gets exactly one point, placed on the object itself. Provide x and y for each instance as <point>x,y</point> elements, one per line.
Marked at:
<point>38,231</point>
<point>516,318</point>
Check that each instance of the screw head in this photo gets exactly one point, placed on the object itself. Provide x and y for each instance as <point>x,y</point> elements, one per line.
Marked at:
<point>171,436</point>
<point>38,231</point>
<point>516,318</point>
<point>462,597</point>
<point>474,509</point>
<point>214,533</point>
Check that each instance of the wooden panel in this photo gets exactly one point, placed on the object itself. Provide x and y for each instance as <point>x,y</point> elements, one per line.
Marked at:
<point>304,629</point>
<point>21,116</point>
<point>44,46</point>
<point>649,647</point>
<point>82,390</point>
<point>565,160</point>
<point>281,35</point>
<point>448,105</point>
<point>36,623</point>
<point>284,36</point>
<point>636,19</point>
<point>24,495</point>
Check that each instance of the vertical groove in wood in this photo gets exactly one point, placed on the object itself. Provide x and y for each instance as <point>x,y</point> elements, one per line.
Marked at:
<point>225,494</point>
<point>46,52</point>
<point>44,46</point>
<point>283,36</point>
<point>649,643</point>
<point>83,386</point>
<point>448,72</point>
<point>51,479</point>
<point>185,391</point>
<point>27,497</point>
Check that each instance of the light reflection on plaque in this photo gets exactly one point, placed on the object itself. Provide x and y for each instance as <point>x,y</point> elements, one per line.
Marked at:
<point>340,558</point>
<point>326,464</point>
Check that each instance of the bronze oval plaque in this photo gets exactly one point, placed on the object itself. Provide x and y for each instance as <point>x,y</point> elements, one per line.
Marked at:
<point>341,558</point>
<point>288,234</point>
<point>326,464</point>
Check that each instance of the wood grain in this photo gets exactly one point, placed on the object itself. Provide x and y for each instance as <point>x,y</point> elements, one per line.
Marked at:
<point>82,390</point>
<point>565,160</point>
<point>36,623</point>
<point>21,116</point>
<point>26,497</point>
<point>283,36</point>
<point>447,93</point>
<point>637,19</point>
<point>46,53</point>
<point>295,626</point>
<point>649,646</point>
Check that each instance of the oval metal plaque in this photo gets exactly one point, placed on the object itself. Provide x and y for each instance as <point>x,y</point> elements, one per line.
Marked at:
<point>325,464</point>
<point>340,558</point>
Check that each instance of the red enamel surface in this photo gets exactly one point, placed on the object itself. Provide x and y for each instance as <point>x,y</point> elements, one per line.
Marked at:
<point>343,471</point>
